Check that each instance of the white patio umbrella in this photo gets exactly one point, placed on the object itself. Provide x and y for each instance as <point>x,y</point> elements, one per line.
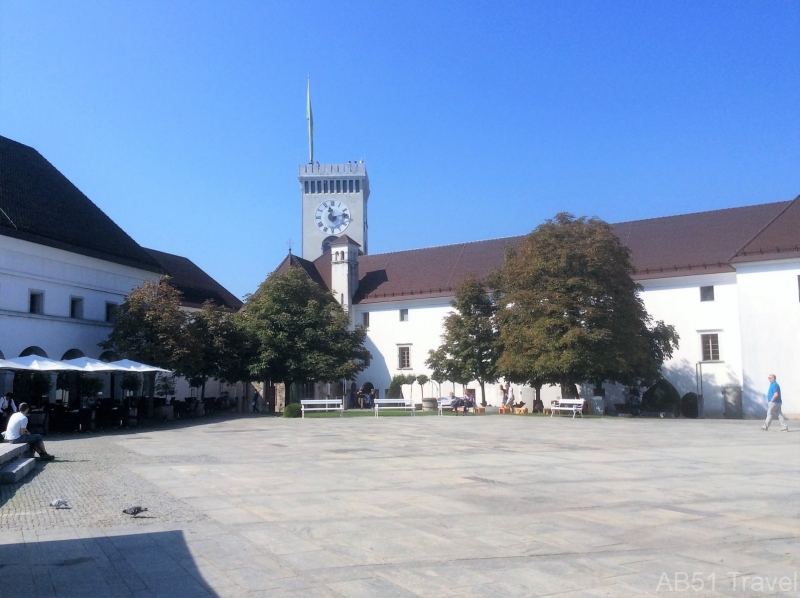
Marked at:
<point>134,366</point>
<point>35,363</point>
<point>87,364</point>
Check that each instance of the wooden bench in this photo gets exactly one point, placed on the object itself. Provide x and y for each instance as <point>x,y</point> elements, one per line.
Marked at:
<point>573,406</point>
<point>321,405</point>
<point>520,410</point>
<point>407,404</point>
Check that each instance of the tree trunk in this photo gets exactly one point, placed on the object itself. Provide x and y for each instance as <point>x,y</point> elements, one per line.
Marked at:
<point>483,392</point>
<point>568,390</point>
<point>203,390</point>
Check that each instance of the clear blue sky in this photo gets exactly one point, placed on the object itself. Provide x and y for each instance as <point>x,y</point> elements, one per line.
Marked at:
<point>185,121</point>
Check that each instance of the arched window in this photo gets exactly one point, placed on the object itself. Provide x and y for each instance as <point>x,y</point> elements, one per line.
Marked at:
<point>2,356</point>
<point>72,354</point>
<point>108,356</point>
<point>33,350</point>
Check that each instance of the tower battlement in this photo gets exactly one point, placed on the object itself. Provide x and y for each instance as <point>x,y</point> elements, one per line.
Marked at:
<point>320,170</point>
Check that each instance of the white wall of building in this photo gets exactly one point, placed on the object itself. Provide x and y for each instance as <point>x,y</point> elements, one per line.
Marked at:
<point>769,296</point>
<point>676,301</point>
<point>59,275</point>
<point>755,313</point>
<point>421,333</point>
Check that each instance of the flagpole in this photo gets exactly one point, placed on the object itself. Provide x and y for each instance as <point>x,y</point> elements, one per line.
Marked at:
<point>310,119</point>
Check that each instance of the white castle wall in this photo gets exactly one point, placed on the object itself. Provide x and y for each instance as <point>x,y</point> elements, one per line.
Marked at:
<point>769,296</point>
<point>676,301</point>
<point>755,312</point>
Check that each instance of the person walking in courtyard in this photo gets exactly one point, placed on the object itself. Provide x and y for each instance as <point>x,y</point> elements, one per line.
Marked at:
<point>774,404</point>
<point>17,433</point>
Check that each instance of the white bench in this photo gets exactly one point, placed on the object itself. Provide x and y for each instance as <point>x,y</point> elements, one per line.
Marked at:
<point>575,406</point>
<point>447,403</point>
<point>444,403</point>
<point>395,404</point>
<point>321,405</point>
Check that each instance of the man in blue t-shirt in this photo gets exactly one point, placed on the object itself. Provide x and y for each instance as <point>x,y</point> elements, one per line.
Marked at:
<point>774,405</point>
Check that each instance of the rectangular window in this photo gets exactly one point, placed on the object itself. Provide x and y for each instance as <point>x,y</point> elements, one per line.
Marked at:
<point>307,186</point>
<point>111,312</point>
<point>404,357</point>
<point>365,319</point>
<point>358,186</point>
<point>338,186</point>
<point>367,360</point>
<point>325,186</point>
<point>706,293</point>
<point>76,308</point>
<point>36,304</point>
<point>710,344</point>
<point>404,315</point>
<point>350,186</point>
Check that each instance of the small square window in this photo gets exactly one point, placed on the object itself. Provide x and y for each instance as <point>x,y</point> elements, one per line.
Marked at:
<point>36,304</point>
<point>111,312</point>
<point>365,319</point>
<point>76,308</point>
<point>404,358</point>
<point>404,315</point>
<point>706,293</point>
<point>710,344</point>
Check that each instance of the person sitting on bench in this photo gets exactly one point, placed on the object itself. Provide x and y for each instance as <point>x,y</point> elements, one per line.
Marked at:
<point>17,433</point>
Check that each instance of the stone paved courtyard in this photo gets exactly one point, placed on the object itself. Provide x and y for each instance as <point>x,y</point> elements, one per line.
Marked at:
<point>426,506</point>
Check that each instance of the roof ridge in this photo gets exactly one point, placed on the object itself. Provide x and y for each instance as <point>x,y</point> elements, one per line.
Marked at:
<point>755,205</point>
<point>455,264</point>
<point>765,227</point>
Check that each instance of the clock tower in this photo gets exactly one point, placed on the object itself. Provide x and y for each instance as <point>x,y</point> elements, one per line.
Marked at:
<point>334,198</point>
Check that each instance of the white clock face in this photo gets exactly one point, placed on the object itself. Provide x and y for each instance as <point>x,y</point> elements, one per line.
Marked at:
<point>332,217</point>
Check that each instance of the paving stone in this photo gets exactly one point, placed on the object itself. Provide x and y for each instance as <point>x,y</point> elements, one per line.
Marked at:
<point>435,507</point>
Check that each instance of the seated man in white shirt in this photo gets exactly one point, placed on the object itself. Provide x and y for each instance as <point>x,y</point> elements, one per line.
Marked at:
<point>17,433</point>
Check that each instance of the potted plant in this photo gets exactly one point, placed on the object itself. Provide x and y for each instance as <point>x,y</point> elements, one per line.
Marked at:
<point>90,387</point>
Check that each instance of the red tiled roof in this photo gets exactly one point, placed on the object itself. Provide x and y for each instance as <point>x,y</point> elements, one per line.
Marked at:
<point>778,239</point>
<point>687,244</point>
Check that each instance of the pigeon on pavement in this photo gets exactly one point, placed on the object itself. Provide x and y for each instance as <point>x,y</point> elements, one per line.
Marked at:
<point>60,503</point>
<point>133,511</point>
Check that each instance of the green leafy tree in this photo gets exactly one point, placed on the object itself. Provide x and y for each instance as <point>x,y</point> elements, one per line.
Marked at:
<point>396,387</point>
<point>301,332</point>
<point>422,380</point>
<point>469,349</point>
<point>214,346</point>
<point>150,329</point>
<point>570,312</point>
